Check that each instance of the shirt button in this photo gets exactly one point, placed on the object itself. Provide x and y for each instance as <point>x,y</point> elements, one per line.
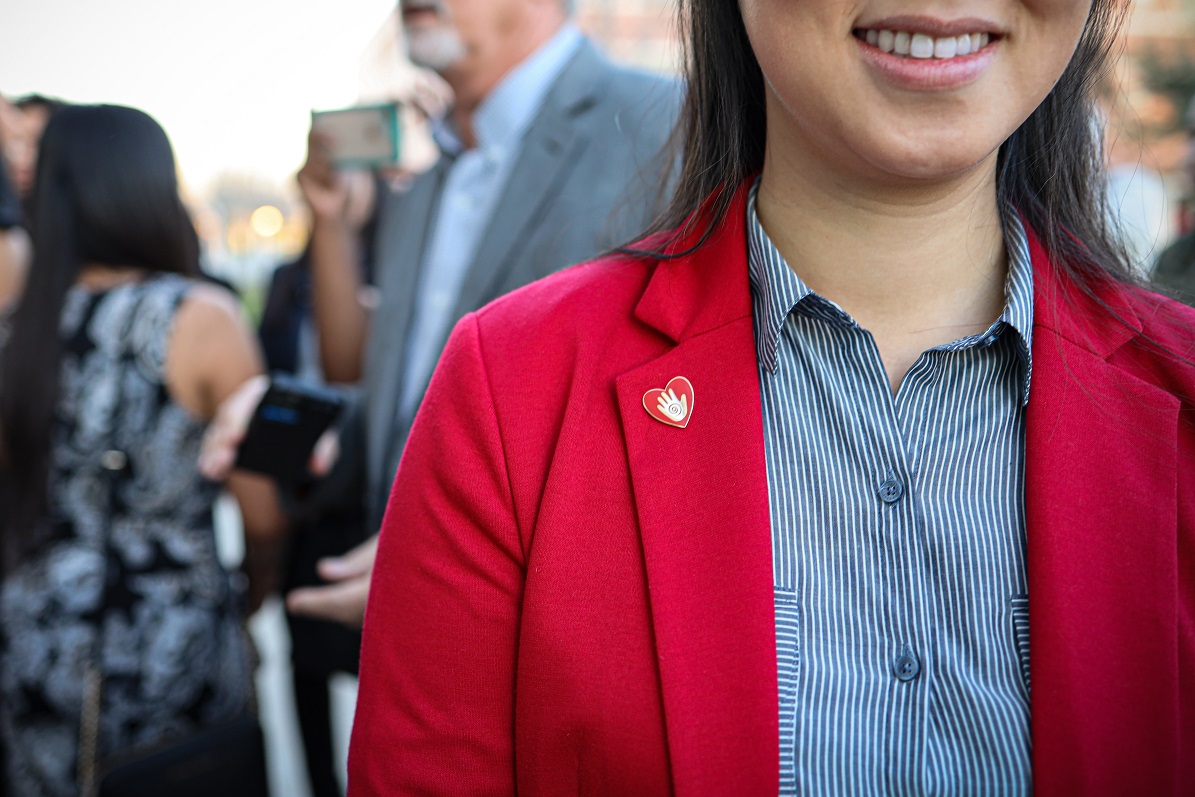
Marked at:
<point>906,666</point>
<point>114,460</point>
<point>891,490</point>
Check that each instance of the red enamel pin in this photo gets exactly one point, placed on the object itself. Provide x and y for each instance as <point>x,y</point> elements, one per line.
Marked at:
<point>673,404</point>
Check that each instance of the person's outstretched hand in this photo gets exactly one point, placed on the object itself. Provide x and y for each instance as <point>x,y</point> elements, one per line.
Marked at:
<point>226,432</point>
<point>343,598</point>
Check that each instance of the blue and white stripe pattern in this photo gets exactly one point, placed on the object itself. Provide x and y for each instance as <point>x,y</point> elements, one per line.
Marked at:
<point>898,545</point>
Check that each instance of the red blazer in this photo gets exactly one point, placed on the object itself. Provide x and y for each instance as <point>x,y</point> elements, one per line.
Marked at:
<point>574,598</point>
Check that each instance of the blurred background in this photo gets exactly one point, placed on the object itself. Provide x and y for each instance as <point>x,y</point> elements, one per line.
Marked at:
<point>234,82</point>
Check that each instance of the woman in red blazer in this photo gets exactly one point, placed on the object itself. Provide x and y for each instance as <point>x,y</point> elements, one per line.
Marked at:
<point>574,597</point>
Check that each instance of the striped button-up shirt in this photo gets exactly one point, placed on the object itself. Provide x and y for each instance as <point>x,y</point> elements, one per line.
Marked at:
<point>898,535</point>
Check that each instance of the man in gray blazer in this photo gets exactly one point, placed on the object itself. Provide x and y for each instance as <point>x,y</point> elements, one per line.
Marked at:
<point>551,154</point>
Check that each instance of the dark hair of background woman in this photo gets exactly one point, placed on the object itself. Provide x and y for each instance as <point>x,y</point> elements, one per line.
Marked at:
<point>106,193</point>
<point>1050,169</point>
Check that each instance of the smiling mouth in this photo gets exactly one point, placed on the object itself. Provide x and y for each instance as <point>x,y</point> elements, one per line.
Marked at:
<point>906,44</point>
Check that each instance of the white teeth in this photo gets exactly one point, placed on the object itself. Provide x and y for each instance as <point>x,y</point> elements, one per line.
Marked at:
<point>924,46</point>
<point>945,48</point>
<point>921,46</point>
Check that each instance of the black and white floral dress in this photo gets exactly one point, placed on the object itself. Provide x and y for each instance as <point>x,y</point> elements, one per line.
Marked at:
<point>167,629</point>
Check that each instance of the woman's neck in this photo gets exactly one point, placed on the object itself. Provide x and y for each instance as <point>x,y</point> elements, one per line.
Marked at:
<point>915,265</point>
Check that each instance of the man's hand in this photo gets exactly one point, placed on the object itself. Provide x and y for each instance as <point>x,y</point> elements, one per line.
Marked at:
<point>343,599</point>
<point>324,190</point>
<point>333,196</point>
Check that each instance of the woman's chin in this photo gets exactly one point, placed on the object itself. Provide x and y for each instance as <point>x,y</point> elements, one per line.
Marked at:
<point>927,164</point>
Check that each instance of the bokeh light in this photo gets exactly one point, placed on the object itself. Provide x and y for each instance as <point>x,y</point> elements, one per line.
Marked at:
<point>266,221</point>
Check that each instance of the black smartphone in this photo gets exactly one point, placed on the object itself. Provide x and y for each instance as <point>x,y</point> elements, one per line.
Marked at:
<point>286,426</point>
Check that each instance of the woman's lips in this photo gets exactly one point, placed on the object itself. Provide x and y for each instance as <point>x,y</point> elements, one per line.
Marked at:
<point>920,55</point>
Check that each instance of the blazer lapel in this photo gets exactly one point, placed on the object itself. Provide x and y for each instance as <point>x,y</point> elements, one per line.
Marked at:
<point>544,161</point>
<point>702,502</point>
<point>1100,494</point>
<point>400,254</point>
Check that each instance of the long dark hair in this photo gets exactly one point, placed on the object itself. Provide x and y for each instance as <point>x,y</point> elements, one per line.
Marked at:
<point>105,193</point>
<point>1050,169</point>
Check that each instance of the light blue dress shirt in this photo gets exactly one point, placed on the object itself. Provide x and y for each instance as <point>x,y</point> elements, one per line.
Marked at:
<point>472,188</point>
<point>898,534</point>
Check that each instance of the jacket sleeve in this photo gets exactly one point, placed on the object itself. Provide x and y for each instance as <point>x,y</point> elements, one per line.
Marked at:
<point>435,711</point>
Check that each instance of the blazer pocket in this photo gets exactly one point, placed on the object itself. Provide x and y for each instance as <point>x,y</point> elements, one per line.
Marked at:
<point>788,660</point>
<point>1018,606</point>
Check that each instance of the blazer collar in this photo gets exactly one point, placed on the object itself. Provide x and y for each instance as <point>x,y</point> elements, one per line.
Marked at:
<point>689,295</point>
<point>1062,308</point>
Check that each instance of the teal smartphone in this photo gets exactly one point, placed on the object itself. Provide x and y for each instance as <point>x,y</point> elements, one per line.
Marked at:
<point>362,137</point>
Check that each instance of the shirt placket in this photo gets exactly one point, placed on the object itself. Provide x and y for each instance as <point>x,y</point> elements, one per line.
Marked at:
<point>928,400</point>
<point>907,657</point>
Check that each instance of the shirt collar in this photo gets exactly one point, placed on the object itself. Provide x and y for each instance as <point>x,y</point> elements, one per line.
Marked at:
<point>508,110</point>
<point>777,291</point>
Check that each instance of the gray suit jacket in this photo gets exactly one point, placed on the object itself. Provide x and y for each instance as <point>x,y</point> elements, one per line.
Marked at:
<point>590,176</point>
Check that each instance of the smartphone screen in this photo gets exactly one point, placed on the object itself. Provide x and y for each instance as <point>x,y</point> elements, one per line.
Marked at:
<point>361,137</point>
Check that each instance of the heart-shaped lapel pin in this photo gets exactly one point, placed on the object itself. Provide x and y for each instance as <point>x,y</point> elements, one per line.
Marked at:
<point>673,405</point>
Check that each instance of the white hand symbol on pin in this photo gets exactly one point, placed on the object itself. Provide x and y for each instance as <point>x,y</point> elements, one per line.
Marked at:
<point>675,408</point>
<point>673,404</point>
